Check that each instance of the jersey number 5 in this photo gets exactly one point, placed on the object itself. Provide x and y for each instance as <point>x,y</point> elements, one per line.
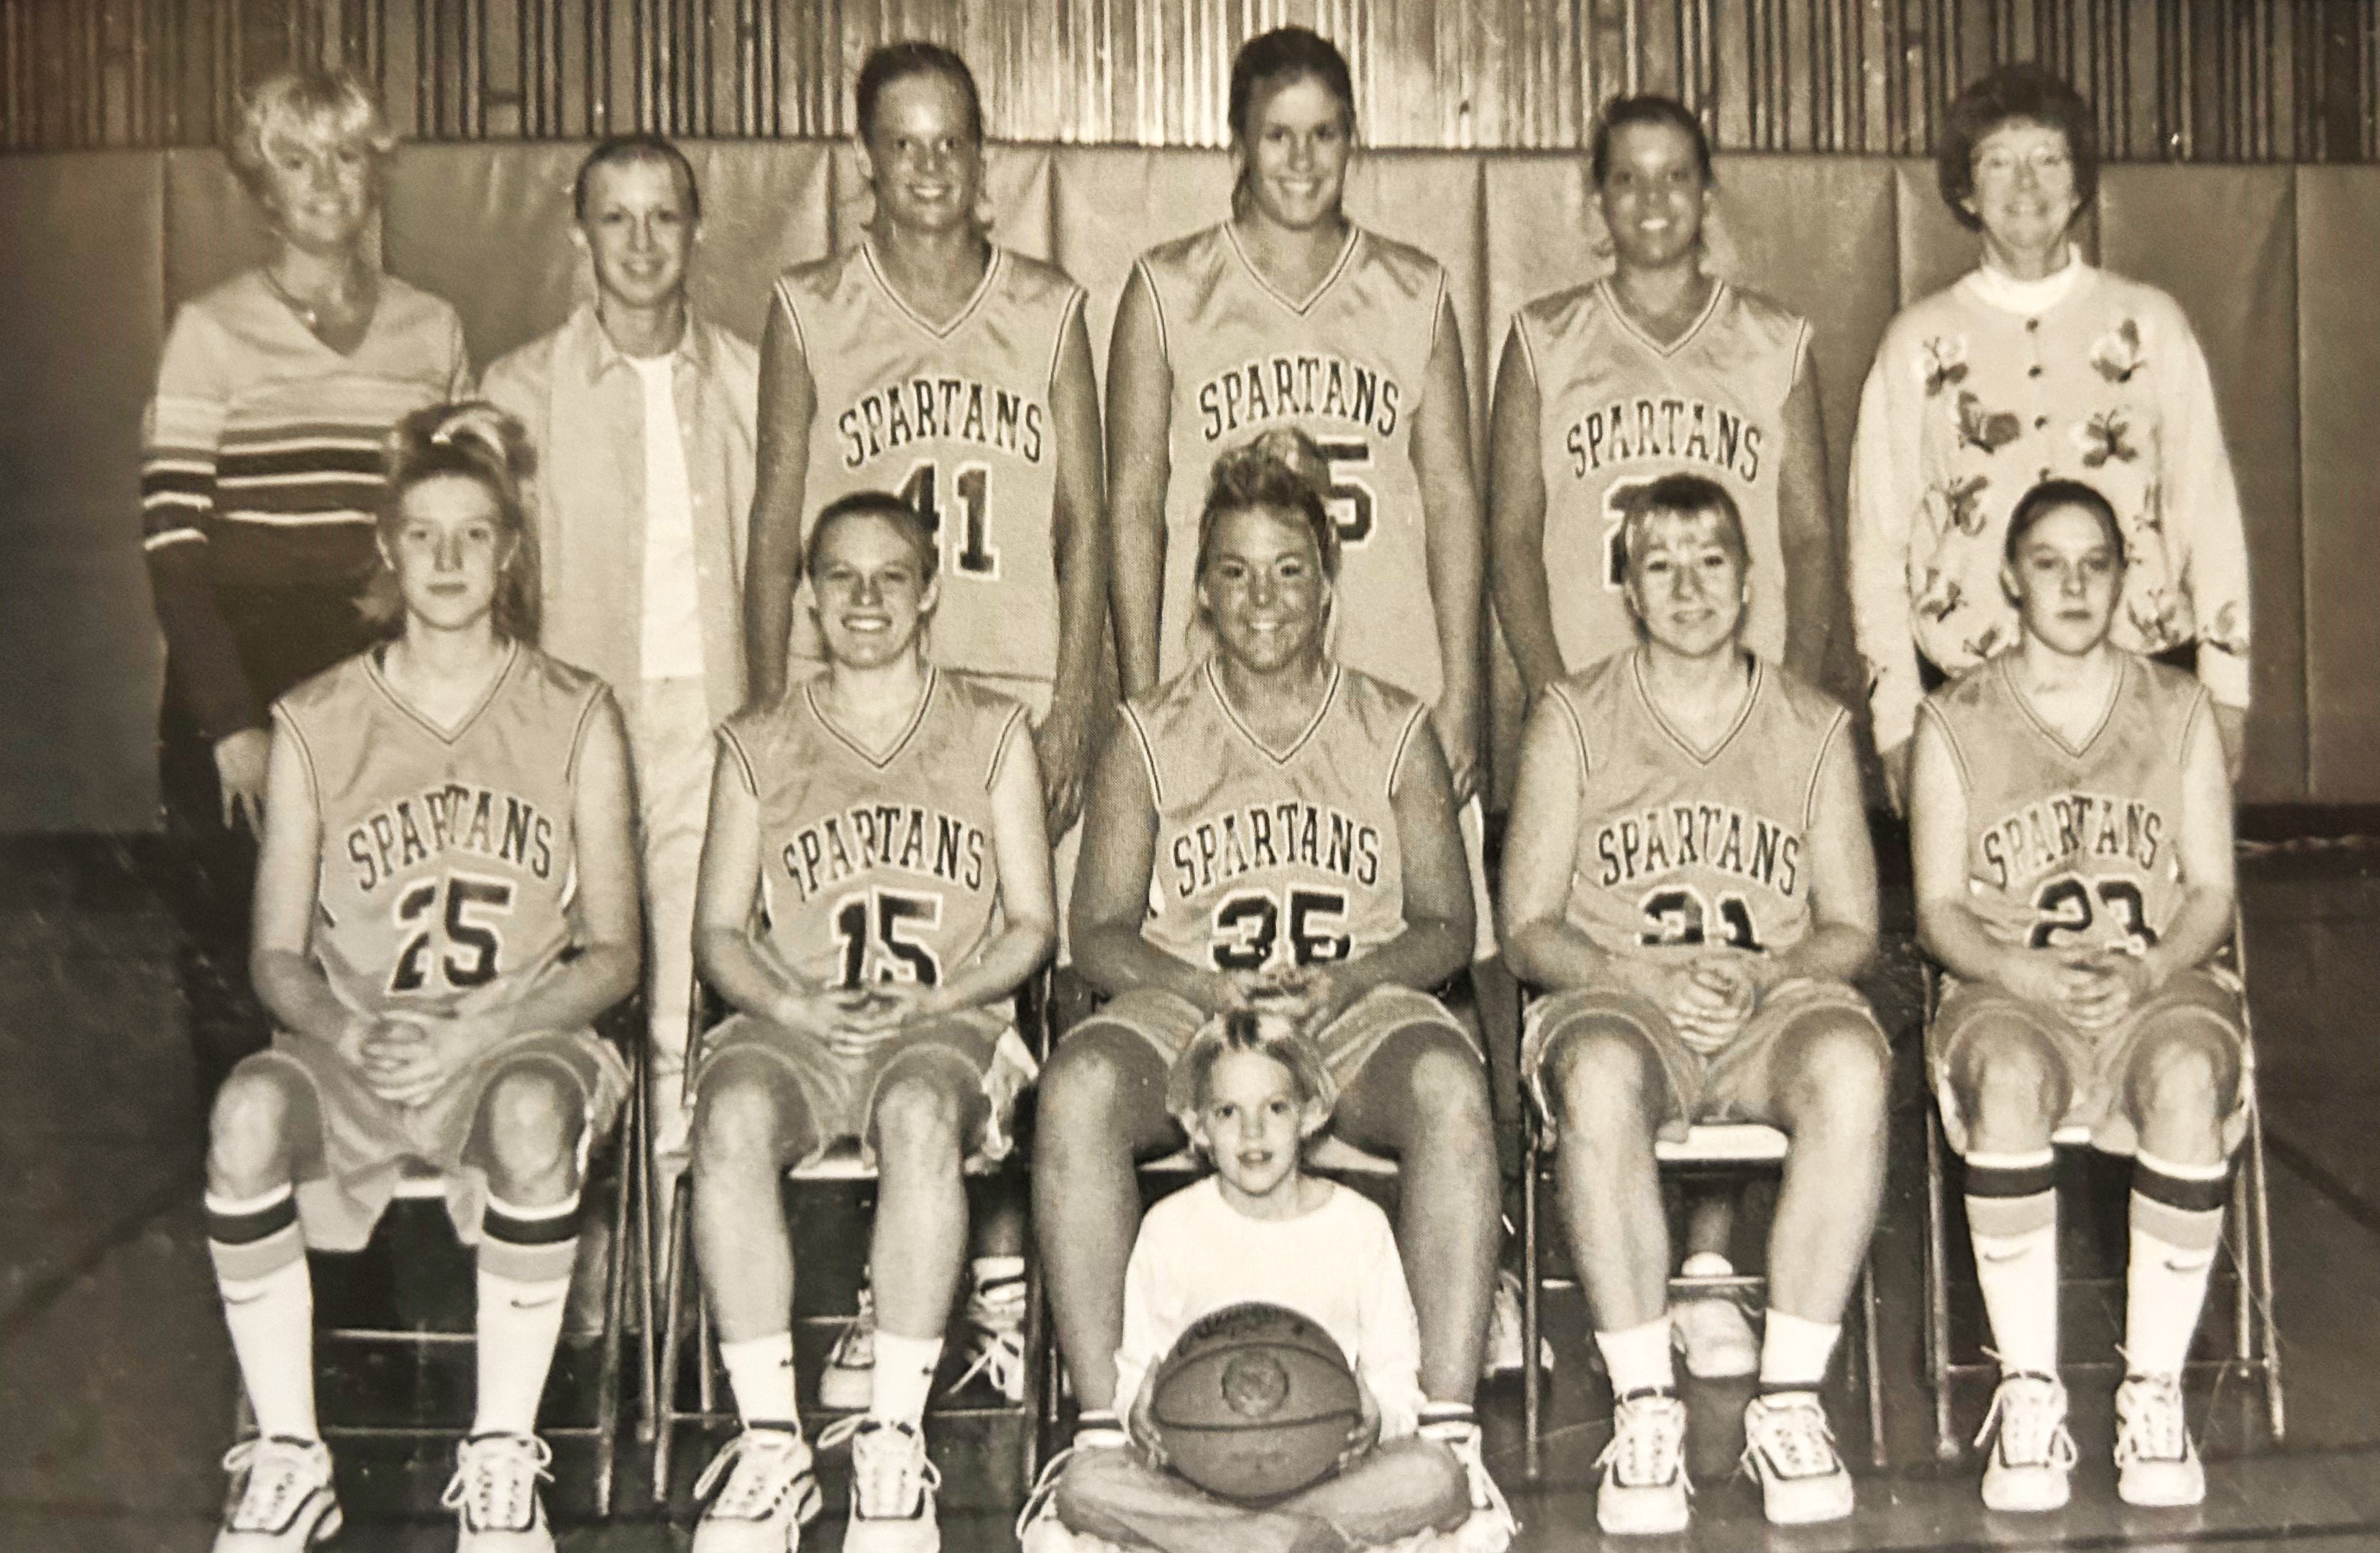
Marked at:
<point>474,947</point>
<point>971,484</point>
<point>1349,498</point>
<point>1247,927</point>
<point>868,931</point>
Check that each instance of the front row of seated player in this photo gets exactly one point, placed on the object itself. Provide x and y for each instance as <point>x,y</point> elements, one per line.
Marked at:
<point>448,901</point>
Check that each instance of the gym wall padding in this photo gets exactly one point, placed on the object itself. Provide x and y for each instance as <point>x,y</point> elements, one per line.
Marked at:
<point>2338,391</point>
<point>2272,256</point>
<point>81,321</point>
<point>2236,279</point>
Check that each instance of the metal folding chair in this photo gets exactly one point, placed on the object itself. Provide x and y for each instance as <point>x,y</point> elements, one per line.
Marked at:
<point>625,1151</point>
<point>1727,1150</point>
<point>2247,1239</point>
<point>839,1169</point>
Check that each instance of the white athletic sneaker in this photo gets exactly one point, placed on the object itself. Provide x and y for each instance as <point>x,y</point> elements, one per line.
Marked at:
<point>281,1499</point>
<point>2033,1454</point>
<point>995,1319</point>
<point>1502,1354</point>
<point>893,1489</point>
<point>1792,1452</point>
<point>1644,1488</point>
<point>493,1494</point>
<point>2156,1464</point>
<point>771,1492</point>
<point>1712,1330</point>
<point>848,1382</point>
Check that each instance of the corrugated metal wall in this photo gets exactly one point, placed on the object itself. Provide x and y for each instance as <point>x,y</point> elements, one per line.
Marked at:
<point>2181,79</point>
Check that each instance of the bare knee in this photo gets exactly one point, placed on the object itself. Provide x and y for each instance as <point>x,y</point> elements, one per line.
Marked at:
<point>1839,1077</point>
<point>1606,1081</point>
<point>248,1139</point>
<point>1084,1094</point>
<point>737,1122</point>
<point>918,1117</point>
<point>530,1119</point>
<point>1448,1090</point>
<point>2184,1079</point>
<point>2009,1088</point>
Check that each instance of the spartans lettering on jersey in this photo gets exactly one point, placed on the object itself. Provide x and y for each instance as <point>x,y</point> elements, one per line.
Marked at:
<point>1306,385</point>
<point>949,410</point>
<point>1218,848</point>
<point>1659,841</point>
<point>1667,429</point>
<point>2053,832</point>
<point>909,837</point>
<point>457,817</point>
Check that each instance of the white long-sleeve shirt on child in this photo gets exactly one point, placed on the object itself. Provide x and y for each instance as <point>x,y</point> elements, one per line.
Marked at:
<point>1337,1266</point>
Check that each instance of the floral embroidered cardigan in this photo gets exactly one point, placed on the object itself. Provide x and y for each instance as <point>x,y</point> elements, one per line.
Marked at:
<point>1967,407</point>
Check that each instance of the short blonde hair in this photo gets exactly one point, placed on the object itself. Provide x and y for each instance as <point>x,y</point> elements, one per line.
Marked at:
<point>1263,1032</point>
<point>331,104</point>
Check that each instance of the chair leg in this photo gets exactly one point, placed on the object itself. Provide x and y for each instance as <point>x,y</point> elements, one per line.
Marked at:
<point>1532,1318</point>
<point>1037,1320</point>
<point>665,1412</point>
<point>1938,1293</point>
<point>1872,1345</point>
<point>2261,1241</point>
<point>615,1305</point>
<point>647,1263</point>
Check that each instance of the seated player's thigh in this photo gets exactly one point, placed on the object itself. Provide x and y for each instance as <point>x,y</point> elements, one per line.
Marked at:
<point>1600,1060</point>
<point>1814,1050</point>
<point>266,1126</point>
<point>1403,1064</point>
<point>929,1096</point>
<point>1107,1075</point>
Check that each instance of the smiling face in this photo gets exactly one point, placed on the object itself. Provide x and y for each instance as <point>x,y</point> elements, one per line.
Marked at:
<point>873,590</point>
<point>1262,585</point>
<point>2024,188</point>
<point>448,549</point>
<point>1686,574</point>
<point>2066,575</point>
<point>1653,194</point>
<point>1250,1122</point>
<point>1294,152</point>
<point>319,187</point>
<point>921,153</point>
<point>638,230</point>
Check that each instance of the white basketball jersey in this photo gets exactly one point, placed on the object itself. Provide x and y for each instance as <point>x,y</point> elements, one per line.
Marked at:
<point>1344,365</point>
<point>1617,411</point>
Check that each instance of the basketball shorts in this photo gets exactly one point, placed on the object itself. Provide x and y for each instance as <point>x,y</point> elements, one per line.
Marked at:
<point>2095,1060</point>
<point>1167,1023</point>
<point>840,1093</point>
<point>1705,1085</point>
<point>368,1144</point>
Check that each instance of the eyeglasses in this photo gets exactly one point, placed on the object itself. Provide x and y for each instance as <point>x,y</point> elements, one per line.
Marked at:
<point>2000,166</point>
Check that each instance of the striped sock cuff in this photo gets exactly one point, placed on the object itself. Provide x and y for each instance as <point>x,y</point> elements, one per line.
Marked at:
<point>252,1238</point>
<point>2011,1194</point>
<point>530,1244</point>
<point>2179,1204</point>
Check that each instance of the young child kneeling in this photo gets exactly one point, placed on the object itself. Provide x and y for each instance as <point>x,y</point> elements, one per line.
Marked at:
<point>1249,1094</point>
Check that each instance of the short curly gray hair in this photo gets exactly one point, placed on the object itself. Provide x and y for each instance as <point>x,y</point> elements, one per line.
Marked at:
<point>331,104</point>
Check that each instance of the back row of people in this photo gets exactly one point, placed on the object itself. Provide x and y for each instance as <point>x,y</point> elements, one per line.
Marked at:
<point>957,374</point>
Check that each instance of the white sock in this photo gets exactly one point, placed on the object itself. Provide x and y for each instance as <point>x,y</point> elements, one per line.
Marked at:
<point>2012,1214</point>
<point>1638,1358</point>
<point>904,1376</point>
<point>271,1321</point>
<point>519,1325</point>
<point>2177,1226</point>
<point>1793,1353</point>
<point>760,1371</point>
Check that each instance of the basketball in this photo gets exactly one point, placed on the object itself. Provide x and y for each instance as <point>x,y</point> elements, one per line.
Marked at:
<point>1255,1402</point>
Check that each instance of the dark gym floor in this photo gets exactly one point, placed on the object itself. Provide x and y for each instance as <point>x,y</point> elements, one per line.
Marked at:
<point>116,1383</point>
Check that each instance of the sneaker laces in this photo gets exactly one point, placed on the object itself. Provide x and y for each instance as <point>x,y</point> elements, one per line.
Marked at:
<point>494,1485</point>
<point>2030,1411</point>
<point>1045,1488</point>
<point>1649,1441</point>
<point>891,1473</point>
<point>856,1348</point>
<point>280,1472</point>
<point>1792,1434</point>
<point>2154,1427</point>
<point>995,1316</point>
<point>761,1466</point>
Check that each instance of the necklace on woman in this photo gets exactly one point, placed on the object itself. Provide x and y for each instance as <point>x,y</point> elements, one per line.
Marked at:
<point>321,320</point>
